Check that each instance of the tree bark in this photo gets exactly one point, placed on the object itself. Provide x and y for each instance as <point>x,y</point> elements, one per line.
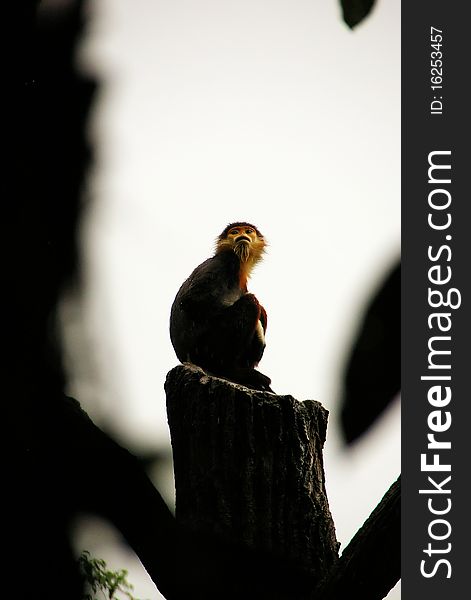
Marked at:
<point>370,565</point>
<point>249,470</point>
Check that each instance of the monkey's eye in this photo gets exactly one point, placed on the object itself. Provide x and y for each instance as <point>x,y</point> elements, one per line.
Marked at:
<point>233,231</point>
<point>249,231</point>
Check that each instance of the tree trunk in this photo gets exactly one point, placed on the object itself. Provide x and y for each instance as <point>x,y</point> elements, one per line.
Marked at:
<point>249,470</point>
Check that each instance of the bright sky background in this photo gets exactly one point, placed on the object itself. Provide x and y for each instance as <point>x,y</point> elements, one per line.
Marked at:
<point>211,111</point>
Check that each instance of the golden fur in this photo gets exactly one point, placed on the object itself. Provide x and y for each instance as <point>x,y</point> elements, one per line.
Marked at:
<point>249,249</point>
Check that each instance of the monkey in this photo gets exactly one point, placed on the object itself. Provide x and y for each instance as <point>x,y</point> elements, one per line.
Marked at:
<point>215,323</point>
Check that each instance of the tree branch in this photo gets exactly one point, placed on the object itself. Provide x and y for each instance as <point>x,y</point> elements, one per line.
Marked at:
<point>371,564</point>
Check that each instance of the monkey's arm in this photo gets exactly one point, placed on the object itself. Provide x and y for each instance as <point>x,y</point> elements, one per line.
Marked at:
<point>241,317</point>
<point>237,333</point>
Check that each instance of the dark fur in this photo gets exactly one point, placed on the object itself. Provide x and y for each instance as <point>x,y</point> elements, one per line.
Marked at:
<point>238,224</point>
<point>218,337</point>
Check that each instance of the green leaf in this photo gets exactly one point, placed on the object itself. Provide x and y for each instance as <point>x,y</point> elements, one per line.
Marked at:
<point>102,581</point>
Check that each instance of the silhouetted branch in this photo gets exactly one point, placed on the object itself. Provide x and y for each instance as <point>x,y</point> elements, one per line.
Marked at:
<point>371,564</point>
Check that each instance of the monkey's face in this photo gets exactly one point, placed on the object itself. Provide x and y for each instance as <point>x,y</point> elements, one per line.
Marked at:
<point>244,240</point>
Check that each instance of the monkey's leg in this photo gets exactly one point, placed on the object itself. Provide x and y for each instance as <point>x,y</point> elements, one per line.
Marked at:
<point>236,327</point>
<point>230,341</point>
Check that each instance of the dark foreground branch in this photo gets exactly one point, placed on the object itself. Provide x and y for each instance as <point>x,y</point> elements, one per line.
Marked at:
<point>102,477</point>
<point>371,564</point>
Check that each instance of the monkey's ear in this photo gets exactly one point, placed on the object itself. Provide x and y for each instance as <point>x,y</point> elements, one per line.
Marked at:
<point>372,377</point>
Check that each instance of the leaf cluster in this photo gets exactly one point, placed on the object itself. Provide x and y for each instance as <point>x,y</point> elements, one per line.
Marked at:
<point>100,582</point>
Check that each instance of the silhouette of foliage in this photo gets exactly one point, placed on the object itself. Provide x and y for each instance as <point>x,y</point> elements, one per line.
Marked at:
<point>373,372</point>
<point>354,11</point>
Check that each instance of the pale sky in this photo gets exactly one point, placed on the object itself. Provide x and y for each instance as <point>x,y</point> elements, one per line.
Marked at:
<point>267,111</point>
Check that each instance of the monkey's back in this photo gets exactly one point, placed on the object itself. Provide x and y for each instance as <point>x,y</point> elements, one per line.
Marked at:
<point>211,287</point>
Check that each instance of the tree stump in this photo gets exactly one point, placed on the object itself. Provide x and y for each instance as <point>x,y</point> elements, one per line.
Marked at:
<point>249,470</point>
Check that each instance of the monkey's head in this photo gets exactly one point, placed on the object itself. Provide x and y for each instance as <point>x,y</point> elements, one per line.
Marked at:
<point>245,240</point>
